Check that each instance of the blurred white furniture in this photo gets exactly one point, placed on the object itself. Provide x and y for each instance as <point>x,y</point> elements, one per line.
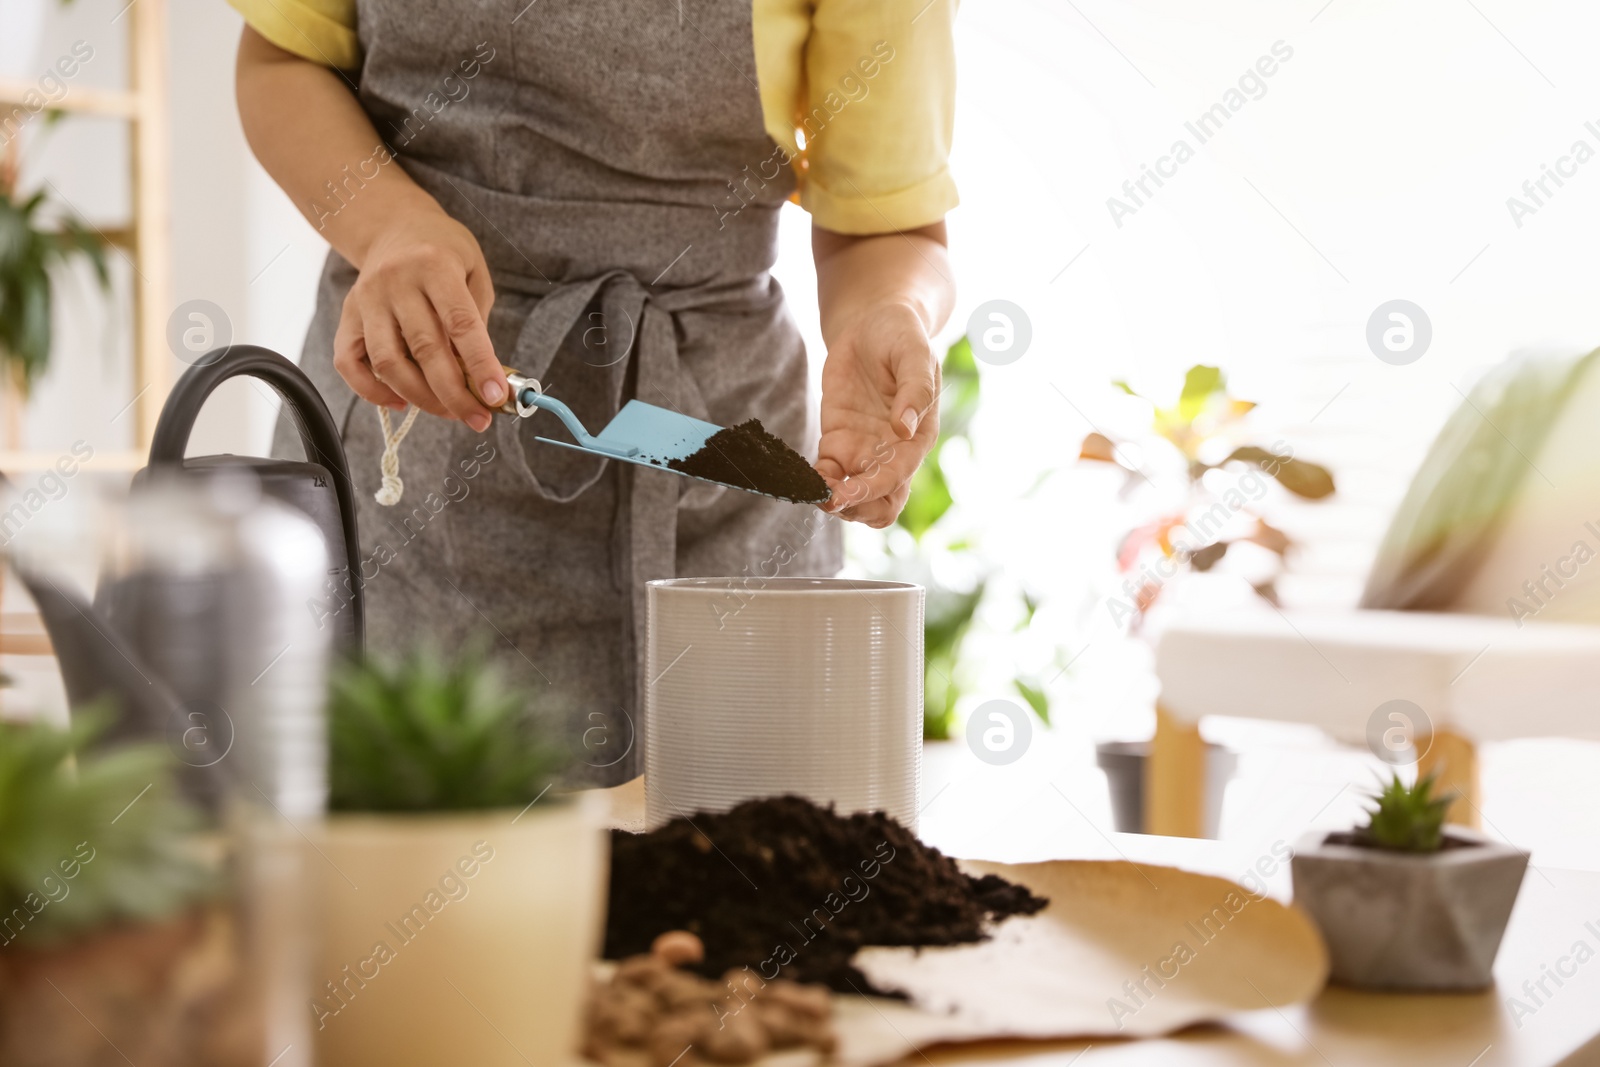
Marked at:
<point>1474,678</point>
<point>1480,667</point>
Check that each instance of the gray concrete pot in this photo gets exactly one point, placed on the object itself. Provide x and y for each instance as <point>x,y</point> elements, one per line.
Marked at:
<point>1395,920</point>
<point>1123,763</point>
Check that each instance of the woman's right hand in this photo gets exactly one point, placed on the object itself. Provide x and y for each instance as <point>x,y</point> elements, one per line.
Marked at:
<point>415,320</point>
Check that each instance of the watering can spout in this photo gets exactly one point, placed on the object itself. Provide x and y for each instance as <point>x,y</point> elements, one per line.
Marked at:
<point>99,665</point>
<point>220,558</point>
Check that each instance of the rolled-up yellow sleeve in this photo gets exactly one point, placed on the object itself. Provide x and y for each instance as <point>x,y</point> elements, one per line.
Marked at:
<point>863,96</point>
<point>323,31</point>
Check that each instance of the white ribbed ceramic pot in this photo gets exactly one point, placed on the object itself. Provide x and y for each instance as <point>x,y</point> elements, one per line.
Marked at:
<point>763,687</point>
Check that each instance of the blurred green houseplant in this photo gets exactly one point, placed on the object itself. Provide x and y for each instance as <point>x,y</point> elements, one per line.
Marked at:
<point>1197,534</point>
<point>111,908</point>
<point>948,613</point>
<point>30,249</point>
<point>89,840</point>
<point>933,523</point>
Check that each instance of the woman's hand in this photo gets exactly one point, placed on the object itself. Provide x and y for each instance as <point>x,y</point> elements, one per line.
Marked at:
<point>882,297</point>
<point>415,321</point>
<point>880,412</point>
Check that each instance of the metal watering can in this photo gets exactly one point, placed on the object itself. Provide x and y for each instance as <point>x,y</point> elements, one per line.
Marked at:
<point>202,628</point>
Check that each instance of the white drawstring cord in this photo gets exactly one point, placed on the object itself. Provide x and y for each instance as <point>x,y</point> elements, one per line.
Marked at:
<point>389,494</point>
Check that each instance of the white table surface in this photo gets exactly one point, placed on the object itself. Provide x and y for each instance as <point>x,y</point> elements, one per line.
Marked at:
<point>985,817</point>
<point>1348,1028</point>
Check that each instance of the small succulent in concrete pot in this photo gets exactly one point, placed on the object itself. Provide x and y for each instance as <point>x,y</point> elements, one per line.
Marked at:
<point>1407,902</point>
<point>461,898</point>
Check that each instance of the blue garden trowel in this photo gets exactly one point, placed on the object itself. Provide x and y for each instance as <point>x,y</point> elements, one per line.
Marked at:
<point>640,433</point>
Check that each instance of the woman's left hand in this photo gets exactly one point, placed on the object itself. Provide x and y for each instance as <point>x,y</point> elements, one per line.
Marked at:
<point>880,412</point>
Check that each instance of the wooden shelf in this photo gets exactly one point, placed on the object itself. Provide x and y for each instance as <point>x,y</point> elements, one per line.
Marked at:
<point>26,645</point>
<point>122,237</point>
<point>24,635</point>
<point>80,100</point>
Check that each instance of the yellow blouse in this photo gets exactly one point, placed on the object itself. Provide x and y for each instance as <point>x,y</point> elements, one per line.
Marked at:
<point>879,77</point>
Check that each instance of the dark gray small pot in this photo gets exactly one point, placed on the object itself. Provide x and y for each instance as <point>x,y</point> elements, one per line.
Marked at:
<point>1124,762</point>
<point>1396,920</point>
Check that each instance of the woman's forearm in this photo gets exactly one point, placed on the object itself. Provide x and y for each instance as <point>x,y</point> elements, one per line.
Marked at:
<point>412,328</point>
<point>856,274</point>
<point>307,128</point>
<point>882,299</point>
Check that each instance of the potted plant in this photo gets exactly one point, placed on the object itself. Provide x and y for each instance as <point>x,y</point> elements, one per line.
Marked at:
<point>462,902</point>
<point>1209,520</point>
<point>1407,902</point>
<point>30,249</point>
<point>113,938</point>
<point>1203,434</point>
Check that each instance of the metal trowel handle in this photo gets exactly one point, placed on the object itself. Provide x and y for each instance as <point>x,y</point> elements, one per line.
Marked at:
<point>528,396</point>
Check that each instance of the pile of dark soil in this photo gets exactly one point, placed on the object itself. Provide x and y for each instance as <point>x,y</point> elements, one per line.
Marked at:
<point>791,890</point>
<point>749,457</point>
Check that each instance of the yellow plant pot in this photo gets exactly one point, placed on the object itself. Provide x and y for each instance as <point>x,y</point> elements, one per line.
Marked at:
<point>457,938</point>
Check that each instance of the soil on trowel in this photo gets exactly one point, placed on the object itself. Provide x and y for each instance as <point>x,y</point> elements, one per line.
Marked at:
<point>749,457</point>
<point>791,890</point>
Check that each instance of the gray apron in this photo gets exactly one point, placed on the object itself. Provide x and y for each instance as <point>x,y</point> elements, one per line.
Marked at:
<point>610,156</point>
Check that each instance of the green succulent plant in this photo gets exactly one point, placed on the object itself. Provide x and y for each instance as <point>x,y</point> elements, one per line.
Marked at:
<point>88,840</point>
<point>430,734</point>
<point>1406,818</point>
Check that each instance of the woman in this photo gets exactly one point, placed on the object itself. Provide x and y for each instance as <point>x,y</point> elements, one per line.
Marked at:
<point>587,191</point>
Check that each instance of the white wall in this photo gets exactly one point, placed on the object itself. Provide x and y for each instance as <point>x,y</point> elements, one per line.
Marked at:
<point>237,241</point>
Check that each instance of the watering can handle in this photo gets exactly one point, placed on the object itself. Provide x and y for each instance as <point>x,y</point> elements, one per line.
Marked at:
<point>319,434</point>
